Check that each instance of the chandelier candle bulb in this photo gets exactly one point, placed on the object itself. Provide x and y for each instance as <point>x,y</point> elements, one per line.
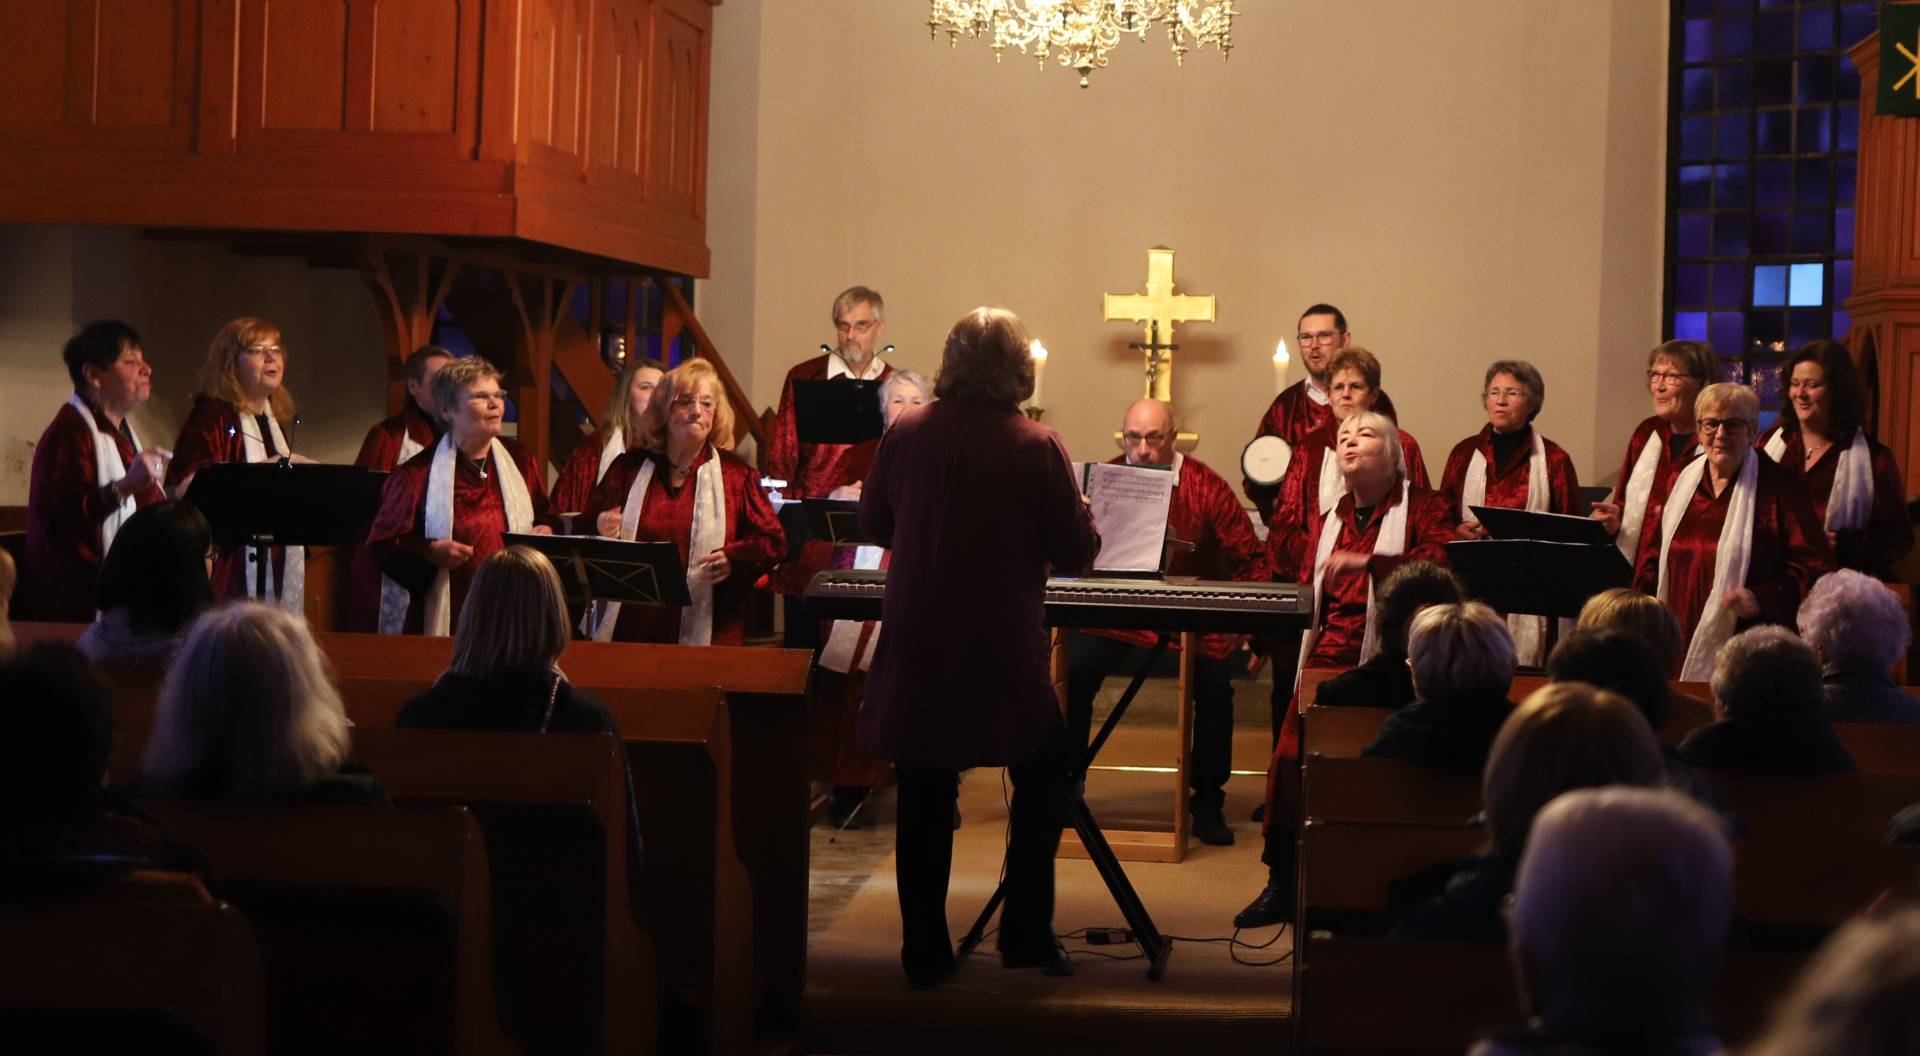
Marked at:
<point>1039,353</point>
<point>1280,361</point>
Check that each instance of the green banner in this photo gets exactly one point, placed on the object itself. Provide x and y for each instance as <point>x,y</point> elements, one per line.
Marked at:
<point>1899,60</point>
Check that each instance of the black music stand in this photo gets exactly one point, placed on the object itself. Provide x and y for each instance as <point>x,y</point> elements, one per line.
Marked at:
<point>593,568</point>
<point>836,521</point>
<point>1541,564</point>
<point>284,503</point>
<point>837,411</point>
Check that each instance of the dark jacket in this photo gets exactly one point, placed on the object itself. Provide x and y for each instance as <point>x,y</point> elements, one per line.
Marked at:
<point>1787,744</point>
<point>1385,681</point>
<point>1453,734</point>
<point>1865,696</point>
<point>1457,899</point>
<point>353,785</point>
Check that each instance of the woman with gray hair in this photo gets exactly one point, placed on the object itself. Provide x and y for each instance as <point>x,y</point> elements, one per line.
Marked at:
<point>1510,465</point>
<point>1856,996</point>
<point>1766,702</point>
<point>249,712</point>
<point>1462,662</point>
<point>1858,629</point>
<point>1620,913</point>
<point>1738,543</point>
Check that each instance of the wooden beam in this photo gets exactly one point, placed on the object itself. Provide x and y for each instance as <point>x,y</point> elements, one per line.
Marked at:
<point>743,411</point>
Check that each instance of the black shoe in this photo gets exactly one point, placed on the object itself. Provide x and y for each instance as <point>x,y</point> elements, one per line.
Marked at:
<point>1053,959</point>
<point>843,808</point>
<point>1274,906</point>
<point>1211,829</point>
<point>1260,812</point>
<point>927,976</point>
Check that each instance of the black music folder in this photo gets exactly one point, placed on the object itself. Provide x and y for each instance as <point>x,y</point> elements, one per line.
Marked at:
<point>1503,523</point>
<point>595,568</point>
<point>1540,577</point>
<point>840,411</point>
<point>836,521</point>
<point>286,503</point>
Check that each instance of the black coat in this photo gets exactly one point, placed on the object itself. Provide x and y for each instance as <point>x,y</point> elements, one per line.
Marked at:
<point>1385,681</point>
<point>1453,734</point>
<point>1787,744</point>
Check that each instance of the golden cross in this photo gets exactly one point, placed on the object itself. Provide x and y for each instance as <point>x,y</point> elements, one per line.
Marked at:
<point>1913,74</point>
<point>1158,309</point>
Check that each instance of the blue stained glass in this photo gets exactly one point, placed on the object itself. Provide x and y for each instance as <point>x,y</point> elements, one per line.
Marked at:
<point>1729,285</point>
<point>1849,132</point>
<point>1694,187</point>
<point>1696,90</point>
<point>1813,134</point>
<point>1769,233</point>
<point>1816,29</point>
<point>1770,286</point>
<point>1729,235</point>
<point>1735,38</point>
<point>1699,42</point>
<point>1730,185</point>
<point>1846,81</point>
<point>1699,7</point>
<point>1803,327</point>
<point>1843,230</point>
<point>1775,183</point>
<point>1856,21</point>
<point>1736,85</point>
<point>1842,322</point>
<point>1773,131</point>
<point>1812,231</point>
<point>1696,138</point>
<point>1727,330</point>
<point>1776,3</point>
<point>1773,33</point>
<point>1842,281</point>
<point>1690,285</point>
<point>1811,181</point>
<point>1845,179</point>
<point>1766,384</point>
<point>1730,136</point>
<point>1813,80</point>
<point>1690,326</point>
<point>1693,232</point>
<point>1806,285</point>
<point>1772,82</point>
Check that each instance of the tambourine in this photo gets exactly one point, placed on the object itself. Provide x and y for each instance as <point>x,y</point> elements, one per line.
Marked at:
<point>1264,460</point>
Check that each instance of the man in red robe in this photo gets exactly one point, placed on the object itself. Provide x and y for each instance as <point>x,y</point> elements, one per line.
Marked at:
<point>388,444</point>
<point>817,470</point>
<point>1206,514</point>
<point>1304,406</point>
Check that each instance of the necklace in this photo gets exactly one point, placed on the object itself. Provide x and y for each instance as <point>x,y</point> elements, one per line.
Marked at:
<point>479,465</point>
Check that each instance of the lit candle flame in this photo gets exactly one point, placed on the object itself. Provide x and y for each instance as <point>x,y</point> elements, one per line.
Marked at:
<point>1280,357</point>
<point>1038,351</point>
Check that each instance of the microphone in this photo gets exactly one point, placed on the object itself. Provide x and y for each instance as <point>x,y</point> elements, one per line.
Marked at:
<point>828,349</point>
<point>233,433</point>
<point>887,351</point>
<point>286,457</point>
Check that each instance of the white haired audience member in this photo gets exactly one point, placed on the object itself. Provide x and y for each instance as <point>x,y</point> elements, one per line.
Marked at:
<point>1462,661</point>
<point>1858,630</point>
<point>1766,702</point>
<point>1620,913</point>
<point>1860,994</point>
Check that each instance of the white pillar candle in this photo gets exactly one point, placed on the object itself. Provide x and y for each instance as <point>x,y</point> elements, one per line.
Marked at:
<point>1280,361</point>
<point>1039,353</point>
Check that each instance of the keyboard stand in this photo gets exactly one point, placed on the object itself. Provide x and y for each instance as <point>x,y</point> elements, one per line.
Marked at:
<point>1156,946</point>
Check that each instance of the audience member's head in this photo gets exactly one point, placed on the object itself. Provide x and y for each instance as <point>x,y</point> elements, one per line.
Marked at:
<point>56,728</point>
<point>1459,651</point>
<point>1859,994</point>
<point>515,620</point>
<point>8,576</point>
<point>1410,588</point>
<point>1854,622</point>
<point>1765,672</point>
<point>1564,736</point>
<point>157,569</point>
<point>1621,907</point>
<point>1642,614</point>
<point>1615,660</point>
<point>248,710</point>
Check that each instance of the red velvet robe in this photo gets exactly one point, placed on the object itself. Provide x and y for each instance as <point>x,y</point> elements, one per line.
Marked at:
<point>574,486</point>
<point>380,452</point>
<point>1299,508</point>
<point>211,434</point>
<point>1789,550</point>
<point>1652,428</point>
<point>1206,513</point>
<point>1888,534</point>
<point>810,470</point>
<point>1507,485</point>
<point>754,539</point>
<point>1292,415</point>
<point>398,542</point>
<point>60,570</point>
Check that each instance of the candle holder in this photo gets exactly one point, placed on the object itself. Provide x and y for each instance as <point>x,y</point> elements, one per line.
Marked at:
<point>1034,412</point>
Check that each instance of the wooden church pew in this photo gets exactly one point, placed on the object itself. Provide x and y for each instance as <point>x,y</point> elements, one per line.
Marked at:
<point>574,972</point>
<point>1817,806</point>
<point>1388,792</point>
<point>372,923</point>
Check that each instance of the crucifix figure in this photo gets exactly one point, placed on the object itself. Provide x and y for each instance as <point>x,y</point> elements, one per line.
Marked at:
<point>1159,308</point>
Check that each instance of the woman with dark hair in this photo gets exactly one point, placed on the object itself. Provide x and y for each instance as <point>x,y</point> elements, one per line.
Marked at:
<point>1855,485</point>
<point>243,413</point>
<point>978,504</point>
<point>1386,680</point>
<point>153,585</point>
<point>89,473</point>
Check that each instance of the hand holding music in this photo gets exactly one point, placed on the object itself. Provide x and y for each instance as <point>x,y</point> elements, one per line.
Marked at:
<point>1743,603</point>
<point>1608,514</point>
<point>717,566</point>
<point>448,554</point>
<point>1470,530</point>
<point>608,523</point>
<point>302,460</point>
<point>846,492</point>
<point>148,468</point>
<point>540,529</point>
<point>1341,562</point>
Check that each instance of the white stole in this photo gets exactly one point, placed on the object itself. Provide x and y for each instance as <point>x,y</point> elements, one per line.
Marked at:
<point>1731,559</point>
<point>291,595</point>
<point>107,468</point>
<point>1391,541</point>
<point>394,598</point>
<point>1332,484</point>
<point>1529,632</point>
<point>615,446</point>
<point>709,533</point>
<point>1635,492</point>
<point>1850,502</point>
<point>440,515</point>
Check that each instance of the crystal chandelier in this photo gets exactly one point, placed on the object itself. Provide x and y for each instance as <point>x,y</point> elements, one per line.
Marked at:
<point>1083,31</point>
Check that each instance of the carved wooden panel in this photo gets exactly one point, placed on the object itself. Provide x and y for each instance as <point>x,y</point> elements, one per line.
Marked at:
<point>677,141</point>
<point>33,51</point>
<point>138,48</point>
<point>619,97</point>
<point>554,63</point>
<point>303,64</point>
<point>416,67</point>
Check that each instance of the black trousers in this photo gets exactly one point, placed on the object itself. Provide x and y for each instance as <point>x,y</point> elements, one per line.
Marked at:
<point>923,853</point>
<point>1091,658</point>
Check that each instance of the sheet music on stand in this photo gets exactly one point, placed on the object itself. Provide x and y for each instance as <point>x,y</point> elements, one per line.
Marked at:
<point>1130,505</point>
<point>595,568</point>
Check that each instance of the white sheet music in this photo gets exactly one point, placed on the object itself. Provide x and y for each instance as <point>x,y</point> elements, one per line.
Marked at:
<point>1130,505</point>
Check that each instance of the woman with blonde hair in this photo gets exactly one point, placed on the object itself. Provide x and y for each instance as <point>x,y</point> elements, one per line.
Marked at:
<point>621,428</point>
<point>243,413</point>
<point>684,485</point>
<point>249,712</point>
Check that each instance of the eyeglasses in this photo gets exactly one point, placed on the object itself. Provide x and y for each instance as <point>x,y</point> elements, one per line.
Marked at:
<point>265,350</point>
<point>1151,438</point>
<point>1319,337</point>
<point>1509,394</point>
<point>705,403</point>
<point>863,327</point>
<point>1731,425</point>
<point>485,395</point>
<point>1667,376</point>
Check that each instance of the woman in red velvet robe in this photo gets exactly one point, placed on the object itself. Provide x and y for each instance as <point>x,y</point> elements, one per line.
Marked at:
<point>619,433</point>
<point>242,413</point>
<point>496,486</point>
<point>75,503</point>
<point>1659,446</point>
<point>686,439</point>
<point>1819,432</point>
<point>389,443</point>
<point>1690,561</point>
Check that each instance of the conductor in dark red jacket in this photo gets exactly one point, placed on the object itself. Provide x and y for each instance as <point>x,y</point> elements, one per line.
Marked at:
<point>978,505</point>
